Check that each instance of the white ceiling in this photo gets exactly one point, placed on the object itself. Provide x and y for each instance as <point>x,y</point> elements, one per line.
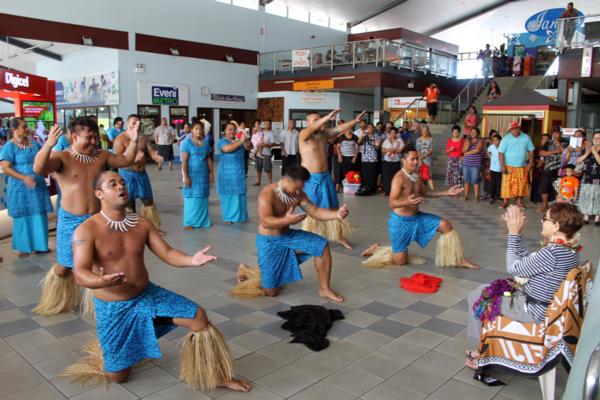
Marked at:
<point>24,60</point>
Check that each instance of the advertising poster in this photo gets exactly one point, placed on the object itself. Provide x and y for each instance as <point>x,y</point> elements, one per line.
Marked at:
<point>34,111</point>
<point>89,90</point>
<point>301,58</point>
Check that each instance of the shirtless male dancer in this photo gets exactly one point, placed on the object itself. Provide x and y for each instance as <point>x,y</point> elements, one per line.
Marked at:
<point>136,177</point>
<point>320,189</point>
<point>74,169</point>
<point>131,311</point>
<point>281,249</point>
<point>407,223</point>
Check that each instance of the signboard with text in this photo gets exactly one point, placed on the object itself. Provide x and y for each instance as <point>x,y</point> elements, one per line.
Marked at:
<point>301,58</point>
<point>163,94</point>
<point>313,85</point>
<point>404,102</point>
<point>227,97</point>
<point>11,80</point>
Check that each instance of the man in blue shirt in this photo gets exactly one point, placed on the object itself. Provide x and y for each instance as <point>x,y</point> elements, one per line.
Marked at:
<point>115,130</point>
<point>516,160</point>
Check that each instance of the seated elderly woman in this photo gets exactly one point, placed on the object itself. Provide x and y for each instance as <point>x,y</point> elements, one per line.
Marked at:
<point>543,271</point>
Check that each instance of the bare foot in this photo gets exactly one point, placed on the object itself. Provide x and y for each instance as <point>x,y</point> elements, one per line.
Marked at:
<point>228,222</point>
<point>472,364</point>
<point>468,264</point>
<point>188,228</point>
<point>331,295</point>
<point>369,252</point>
<point>416,260</point>
<point>239,385</point>
<point>256,184</point>
<point>344,242</point>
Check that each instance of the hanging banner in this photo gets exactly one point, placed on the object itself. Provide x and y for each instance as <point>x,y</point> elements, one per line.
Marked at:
<point>301,58</point>
<point>404,102</point>
<point>89,90</point>
<point>313,85</point>
<point>163,94</point>
<point>586,62</point>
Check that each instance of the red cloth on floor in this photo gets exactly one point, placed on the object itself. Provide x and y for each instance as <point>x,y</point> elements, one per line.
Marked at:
<point>421,283</point>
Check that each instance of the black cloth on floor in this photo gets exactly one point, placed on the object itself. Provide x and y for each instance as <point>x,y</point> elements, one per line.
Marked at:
<point>309,324</point>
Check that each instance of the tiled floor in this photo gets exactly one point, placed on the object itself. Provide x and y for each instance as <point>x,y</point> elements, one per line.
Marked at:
<point>392,344</point>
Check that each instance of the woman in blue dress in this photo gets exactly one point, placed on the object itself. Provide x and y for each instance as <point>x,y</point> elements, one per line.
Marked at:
<point>197,179</point>
<point>231,180</point>
<point>27,196</point>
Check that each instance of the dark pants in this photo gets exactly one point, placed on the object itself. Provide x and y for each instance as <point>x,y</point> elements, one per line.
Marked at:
<point>335,168</point>
<point>347,166</point>
<point>288,161</point>
<point>368,175</point>
<point>388,170</point>
<point>246,157</point>
<point>495,185</point>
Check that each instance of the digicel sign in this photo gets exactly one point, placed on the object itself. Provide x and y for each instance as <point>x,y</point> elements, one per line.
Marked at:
<point>21,82</point>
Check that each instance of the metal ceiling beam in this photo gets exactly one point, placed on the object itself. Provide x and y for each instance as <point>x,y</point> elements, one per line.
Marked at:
<point>376,12</point>
<point>5,100</point>
<point>26,46</point>
<point>460,20</point>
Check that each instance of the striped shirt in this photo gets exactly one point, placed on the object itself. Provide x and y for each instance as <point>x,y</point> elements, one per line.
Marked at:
<point>546,270</point>
<point>473,160</point>
<point>348,146</point>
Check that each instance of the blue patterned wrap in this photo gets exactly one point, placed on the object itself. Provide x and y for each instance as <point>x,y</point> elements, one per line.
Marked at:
<point>65,227</point>
<point>320,189</point>
<point>278,257</point>
<point>403,230</point>
<point>231,177</point>
<point>138,184</point>
<point>197,169</point>
<point>127,331</point>
<point>22,201</point>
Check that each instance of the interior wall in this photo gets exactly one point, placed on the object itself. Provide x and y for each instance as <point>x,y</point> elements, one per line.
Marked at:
<point>350,102</point>
<point>296,101</point>
<point>88,61</point>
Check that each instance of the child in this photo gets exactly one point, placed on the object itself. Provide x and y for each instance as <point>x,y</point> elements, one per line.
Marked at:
<point>486,179</point>
<point>495,168</point>
<point>568,187</point>
<point>256,140</point>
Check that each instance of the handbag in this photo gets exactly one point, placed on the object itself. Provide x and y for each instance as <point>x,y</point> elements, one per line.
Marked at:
<point>424,172</point>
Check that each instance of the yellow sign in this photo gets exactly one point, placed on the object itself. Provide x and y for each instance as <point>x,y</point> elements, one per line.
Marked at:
<point>313,85</point>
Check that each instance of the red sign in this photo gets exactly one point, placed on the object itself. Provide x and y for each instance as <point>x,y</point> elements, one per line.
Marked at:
<point>33,111</point>
<point>17,81</point>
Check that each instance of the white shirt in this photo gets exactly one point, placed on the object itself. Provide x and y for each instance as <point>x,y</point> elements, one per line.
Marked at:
<point>165,135</point>
<point>267,137</point>
<point>387,144</point>
<point>359,134</point>
<point>290,142</point>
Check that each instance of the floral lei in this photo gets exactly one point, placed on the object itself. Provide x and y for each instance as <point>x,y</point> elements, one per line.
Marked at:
<point>487,307</point>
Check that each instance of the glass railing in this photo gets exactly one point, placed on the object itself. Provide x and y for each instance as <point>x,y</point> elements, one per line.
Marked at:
<point>378,52</point>
<point>578,32</point>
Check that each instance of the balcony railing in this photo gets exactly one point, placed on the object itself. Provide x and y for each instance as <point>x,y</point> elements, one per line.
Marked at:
<point>379,52</point>
<point>578,32</point>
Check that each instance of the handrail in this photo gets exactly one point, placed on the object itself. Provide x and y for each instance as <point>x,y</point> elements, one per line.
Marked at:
<point>409,107</point>
<point>591,391</point>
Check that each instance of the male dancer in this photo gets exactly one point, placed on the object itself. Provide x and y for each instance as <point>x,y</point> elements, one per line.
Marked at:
<point>408,224</point>
<point>280,249</point>
<point>138,183</point>
<point>132,312</point>
<point>74,169</point>
<point>320,189</point>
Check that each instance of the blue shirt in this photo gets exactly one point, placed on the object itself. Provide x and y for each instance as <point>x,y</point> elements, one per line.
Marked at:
<point>516,149</point>
<point>113,132</point>
<point>231,179</point>
<point>62,144</point>
<point>494,158</point>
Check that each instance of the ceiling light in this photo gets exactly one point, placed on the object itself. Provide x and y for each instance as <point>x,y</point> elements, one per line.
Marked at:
<point>174,51</point>
<point>87,41</point>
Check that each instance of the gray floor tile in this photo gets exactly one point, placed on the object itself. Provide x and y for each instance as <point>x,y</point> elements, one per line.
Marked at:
<point>353,380</point>
<point>274,328</point>
<point>442,326</point>
<point>426,308</point>
<point>69,328</point>
<point>342,329</point>
<point>27,270</point>
<point>16,327</point>
<point>390,328</point>
<point>233,310</point>
<point>6,305</point>
<point>43,391</point>
<point>233,329</point>
<point>456,390</point>
<point>380,309</point>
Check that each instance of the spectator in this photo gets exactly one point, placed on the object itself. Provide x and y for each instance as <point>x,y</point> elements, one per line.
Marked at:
<point>589,200</point>
<point>486,58</point>
<point>473,155</point>
<point>538,167</point>
<point>164,136</point>
<point>406,134</point>
<point>186,132</point>
<point>495,167</point>
<point>104,140</point>
<point>568,187</point>
<point>431,97</point>
<point>569,25</point>
<point>424,147</point>
<point>471,120</point>
<point>370,158</point>
<point>266,140</point>
<point>289,154</point>
<point>115,130</point>
<point>391,148</point>
<point>347,155</point>
<point>516,158</point>
<point>379,128</point>
<point>571,154</point>
<point>360,132</point>
<point>551,155</point>
<point>494,91</point>
<point>454,151</point>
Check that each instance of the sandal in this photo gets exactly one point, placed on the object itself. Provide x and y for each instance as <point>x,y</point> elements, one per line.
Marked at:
<point>472,354</point>
<point>472,364</point>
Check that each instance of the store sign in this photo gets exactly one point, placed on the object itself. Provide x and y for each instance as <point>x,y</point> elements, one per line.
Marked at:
<point>313,98</point>
<point>15,80</point>
<point>165,95</point>
<point>227,97</point>
<point>586,62</point>
<point>313,85</point>
<point>301,58</point>
<point>405,102</point>
<point>19,81</point>
<point>89,90</point>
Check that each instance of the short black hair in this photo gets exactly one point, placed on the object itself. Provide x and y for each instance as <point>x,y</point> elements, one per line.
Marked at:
<point>86,122</point>
<point>456,127</point>
<point>15,122</point>
<point>297,173</point>
<point>117,120</point>
<point>97,183</point>
<point>132,116</point>
<point>570,166</point>
<point>406,150</point>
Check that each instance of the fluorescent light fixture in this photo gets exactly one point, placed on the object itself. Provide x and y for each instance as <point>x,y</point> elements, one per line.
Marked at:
<point>281,82</point>
<point>87,41</point>
<point>174,51</point>
<point>341,78</point>
<point>229,58</point>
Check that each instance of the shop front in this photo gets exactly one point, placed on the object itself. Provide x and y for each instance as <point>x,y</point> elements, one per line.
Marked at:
<point>152,97</point>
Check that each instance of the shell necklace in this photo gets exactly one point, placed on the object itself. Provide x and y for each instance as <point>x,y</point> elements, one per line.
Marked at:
<point>283,196</point>
<point>83,158</point>
<point>130,221</point>
<point>23,143</point>
<point>412,177</point>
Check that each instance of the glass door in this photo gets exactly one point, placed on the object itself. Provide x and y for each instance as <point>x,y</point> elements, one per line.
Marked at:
<point>150,118</point>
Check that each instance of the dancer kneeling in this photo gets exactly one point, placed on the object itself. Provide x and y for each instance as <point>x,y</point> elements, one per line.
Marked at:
<point>281,250</point>
<point>408,224</point>
<point>132,312</point>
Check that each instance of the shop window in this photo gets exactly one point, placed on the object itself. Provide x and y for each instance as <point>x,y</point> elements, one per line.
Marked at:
<point>150,118</point>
